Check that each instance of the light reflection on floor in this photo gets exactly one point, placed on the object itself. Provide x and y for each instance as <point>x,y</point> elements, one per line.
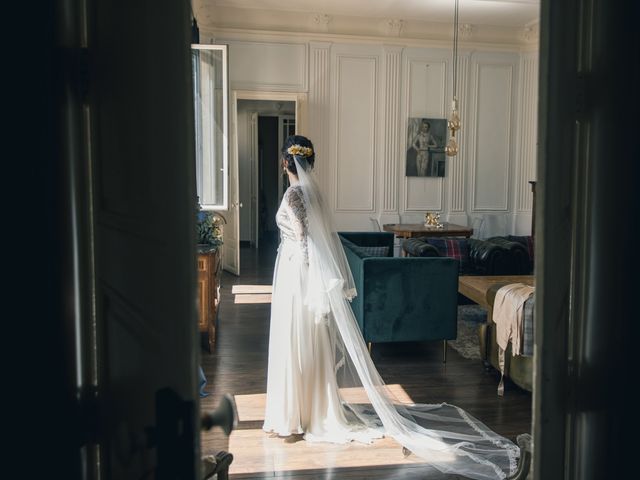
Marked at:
<point>248,294</point>
<point>251,407</point>
<point>258,452</point>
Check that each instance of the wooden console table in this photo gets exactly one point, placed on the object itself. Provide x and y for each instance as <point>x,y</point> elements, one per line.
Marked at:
<point>209,264</point>
<point>409,230</point>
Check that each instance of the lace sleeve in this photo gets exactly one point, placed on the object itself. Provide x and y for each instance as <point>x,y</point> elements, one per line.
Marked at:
<point>298,216</point>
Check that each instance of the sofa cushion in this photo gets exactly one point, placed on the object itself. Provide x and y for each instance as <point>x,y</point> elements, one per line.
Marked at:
<point>379,251</point>
<point>366,251</point>
<point>452,247</point>
<point>419,247</point>
<point>526,240</point>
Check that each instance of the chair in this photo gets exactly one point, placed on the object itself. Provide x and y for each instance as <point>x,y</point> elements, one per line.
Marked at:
<point>401,299</point>
<point>494,224</point>
<point>477,223</point>
<point>376,224</point>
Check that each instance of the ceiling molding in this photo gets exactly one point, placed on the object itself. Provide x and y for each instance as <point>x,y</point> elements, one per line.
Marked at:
<point>394,27</point>
<point>320,22</point>
<point>219,19</point>
<point>222,35</point>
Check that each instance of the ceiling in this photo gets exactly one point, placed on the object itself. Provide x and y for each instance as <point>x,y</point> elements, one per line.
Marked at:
<point>504,13</point>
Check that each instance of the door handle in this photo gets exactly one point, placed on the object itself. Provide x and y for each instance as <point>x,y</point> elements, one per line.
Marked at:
<point>236,204</point>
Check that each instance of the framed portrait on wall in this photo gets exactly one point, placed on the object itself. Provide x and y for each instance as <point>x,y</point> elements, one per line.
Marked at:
<point>426,139</point>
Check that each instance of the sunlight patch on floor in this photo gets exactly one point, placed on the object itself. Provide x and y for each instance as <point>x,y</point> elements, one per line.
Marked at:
<point>253,298</point>
<point>242,289</point>
<point>251,407</point>
<point>251,294</point>
<point>256,451</point>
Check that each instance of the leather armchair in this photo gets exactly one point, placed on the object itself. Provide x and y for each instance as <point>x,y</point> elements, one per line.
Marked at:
<point>517,249</point>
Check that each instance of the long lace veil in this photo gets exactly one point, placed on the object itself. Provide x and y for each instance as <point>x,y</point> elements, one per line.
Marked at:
<point>443,435</point>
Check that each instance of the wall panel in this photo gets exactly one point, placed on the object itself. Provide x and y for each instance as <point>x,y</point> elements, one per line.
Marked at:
<point>491,136</point>
<point>355,145</point>
<point>426,90</point>
<point>268,66</point>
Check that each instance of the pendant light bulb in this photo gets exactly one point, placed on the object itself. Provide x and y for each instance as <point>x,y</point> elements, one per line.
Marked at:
<point>454,123</point>
<point>451,149</point>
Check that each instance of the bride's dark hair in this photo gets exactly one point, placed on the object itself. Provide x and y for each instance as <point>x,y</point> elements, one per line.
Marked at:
<point>299,146</point>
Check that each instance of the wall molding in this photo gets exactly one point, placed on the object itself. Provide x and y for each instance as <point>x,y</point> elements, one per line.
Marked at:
<point>392,125</point>
<point>297,71</point>
<point>341,59</point>
<point>235,19</point>
<point>413,60</point>
<point>319,101</point>
<point>456,166</point>
<point>479,65</point>
<point>527,132</point>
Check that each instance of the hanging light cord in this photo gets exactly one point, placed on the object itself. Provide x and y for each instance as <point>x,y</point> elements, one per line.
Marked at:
<point>455,48</point>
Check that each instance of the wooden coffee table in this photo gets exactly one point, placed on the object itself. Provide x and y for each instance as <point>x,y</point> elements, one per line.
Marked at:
<point>481,288</point>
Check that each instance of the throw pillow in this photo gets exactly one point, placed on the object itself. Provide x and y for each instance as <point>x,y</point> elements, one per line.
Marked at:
<point>366,251</point>
<point>377,251</point>
<point>452,247</point>
<point>347,243</point>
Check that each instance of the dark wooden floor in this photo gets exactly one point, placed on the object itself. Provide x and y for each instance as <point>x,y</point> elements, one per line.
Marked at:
<point>238,366</point>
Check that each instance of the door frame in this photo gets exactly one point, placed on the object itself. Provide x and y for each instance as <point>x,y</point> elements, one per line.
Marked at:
<point>281,120</point>
<point>301,105</point>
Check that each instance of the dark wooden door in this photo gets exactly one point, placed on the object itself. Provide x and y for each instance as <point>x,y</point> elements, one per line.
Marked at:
<point>141,114</point>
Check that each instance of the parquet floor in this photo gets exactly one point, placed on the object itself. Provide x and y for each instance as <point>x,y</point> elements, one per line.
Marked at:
<point>238,365</point>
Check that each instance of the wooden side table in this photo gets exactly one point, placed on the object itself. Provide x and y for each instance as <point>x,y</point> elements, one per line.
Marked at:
<point>208,294</point>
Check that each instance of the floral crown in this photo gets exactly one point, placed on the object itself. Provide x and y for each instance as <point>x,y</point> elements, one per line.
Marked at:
<point>300,151</point>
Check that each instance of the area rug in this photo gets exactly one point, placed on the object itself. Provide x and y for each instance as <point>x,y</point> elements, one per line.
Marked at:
<point>469,318</point>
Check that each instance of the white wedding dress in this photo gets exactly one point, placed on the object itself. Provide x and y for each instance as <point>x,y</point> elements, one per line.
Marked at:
<point>302,389</point>
<point>321,380</point>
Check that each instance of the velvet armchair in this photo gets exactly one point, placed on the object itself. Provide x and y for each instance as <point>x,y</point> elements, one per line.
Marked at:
<point>401,299</point>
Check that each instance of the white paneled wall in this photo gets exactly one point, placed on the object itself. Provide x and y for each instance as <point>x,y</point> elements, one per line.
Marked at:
<point>360,97</point>
<point>491,139</point>
<point>354,135</point>
<point>456,175</point>
<point>268,66</point>
<point>319,106</point>
<point>392,130</point>
<point>425,95</point>
<point>525,164</point>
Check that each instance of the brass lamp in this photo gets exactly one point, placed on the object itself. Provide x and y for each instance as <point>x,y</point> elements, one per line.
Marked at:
<point>453,123</point>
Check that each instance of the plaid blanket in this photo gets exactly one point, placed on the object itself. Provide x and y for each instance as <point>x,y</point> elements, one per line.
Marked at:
<point>527,325</point>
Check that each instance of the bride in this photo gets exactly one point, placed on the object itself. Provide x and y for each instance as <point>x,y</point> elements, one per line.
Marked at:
<point>321,380</point>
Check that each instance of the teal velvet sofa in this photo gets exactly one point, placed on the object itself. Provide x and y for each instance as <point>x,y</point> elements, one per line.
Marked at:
<point>401,299</point>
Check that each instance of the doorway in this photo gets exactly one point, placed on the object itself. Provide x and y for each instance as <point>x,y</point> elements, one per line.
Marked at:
<point>243,217</point>
<point>262,127</point>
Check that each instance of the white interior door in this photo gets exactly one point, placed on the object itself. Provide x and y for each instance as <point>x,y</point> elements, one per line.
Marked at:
<point>231,231</point>
<point>252,138</point>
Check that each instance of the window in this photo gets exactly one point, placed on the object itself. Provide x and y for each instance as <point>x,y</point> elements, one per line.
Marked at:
<point>210,94</point>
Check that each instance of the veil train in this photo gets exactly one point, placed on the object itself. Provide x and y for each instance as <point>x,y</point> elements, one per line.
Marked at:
<point>444,435</point>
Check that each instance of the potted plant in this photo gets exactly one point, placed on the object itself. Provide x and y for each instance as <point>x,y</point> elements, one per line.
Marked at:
<point>209,231</point>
